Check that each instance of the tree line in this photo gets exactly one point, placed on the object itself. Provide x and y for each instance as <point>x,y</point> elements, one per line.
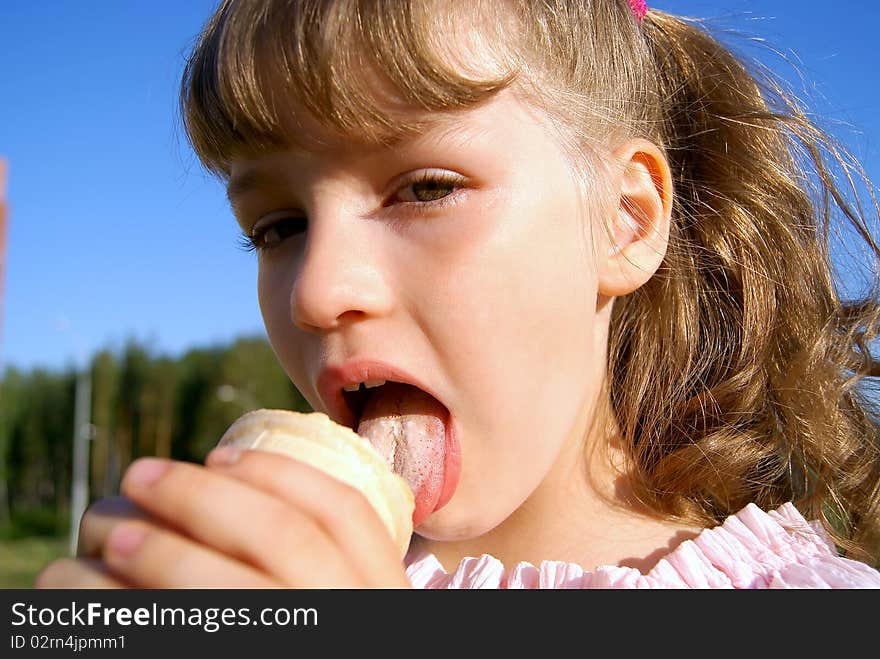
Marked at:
<point>141,404</point>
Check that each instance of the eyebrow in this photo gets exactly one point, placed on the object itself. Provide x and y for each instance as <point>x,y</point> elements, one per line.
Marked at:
<point>247,181</point>
<point>438,129</point>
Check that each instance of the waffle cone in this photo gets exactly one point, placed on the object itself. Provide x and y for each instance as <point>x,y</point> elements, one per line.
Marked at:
<point>317,440</point>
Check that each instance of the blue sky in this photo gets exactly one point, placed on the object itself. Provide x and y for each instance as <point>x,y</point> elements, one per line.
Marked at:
<point>115,231</point>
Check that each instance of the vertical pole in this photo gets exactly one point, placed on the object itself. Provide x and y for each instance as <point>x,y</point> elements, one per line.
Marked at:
<point>82,434</point>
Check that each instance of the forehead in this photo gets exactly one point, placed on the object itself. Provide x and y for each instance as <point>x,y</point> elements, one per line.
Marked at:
<point>251,86</point>
<point>310,141</point>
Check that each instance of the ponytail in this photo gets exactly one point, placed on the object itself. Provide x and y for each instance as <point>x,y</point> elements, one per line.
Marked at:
<point>735,370</point>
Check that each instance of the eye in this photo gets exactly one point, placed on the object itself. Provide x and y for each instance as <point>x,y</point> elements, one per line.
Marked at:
<point>273,230</point>
<point>428,187</point>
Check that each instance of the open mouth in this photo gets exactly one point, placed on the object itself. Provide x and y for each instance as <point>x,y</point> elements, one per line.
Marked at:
<point>356,399</point>
<point>408,426</point>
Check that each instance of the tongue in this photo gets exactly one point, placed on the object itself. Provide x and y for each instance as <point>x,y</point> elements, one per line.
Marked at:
<point>408,427</point>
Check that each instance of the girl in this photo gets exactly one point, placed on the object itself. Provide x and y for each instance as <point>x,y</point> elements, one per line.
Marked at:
<point>578,240</point>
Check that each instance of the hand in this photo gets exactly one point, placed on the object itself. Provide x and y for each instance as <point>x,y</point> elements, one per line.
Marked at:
<point>89,571</point>
<point>248,519</point>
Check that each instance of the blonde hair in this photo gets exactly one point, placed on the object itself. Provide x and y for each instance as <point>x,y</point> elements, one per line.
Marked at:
<point>735,372</point>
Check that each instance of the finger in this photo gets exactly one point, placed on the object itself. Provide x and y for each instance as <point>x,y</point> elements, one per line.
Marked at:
<point>99,519</point>
<point>150,556</point>
<point>76,573</point>
<point>238,520</point>
<point>346,514</point>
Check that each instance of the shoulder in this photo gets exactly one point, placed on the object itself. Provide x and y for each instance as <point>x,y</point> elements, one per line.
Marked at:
<point>751,549</point>
<point>775,549</point>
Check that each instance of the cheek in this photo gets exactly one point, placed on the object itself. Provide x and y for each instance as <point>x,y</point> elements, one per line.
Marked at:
<point>525,286</point>
<point>524,327</point>
<point>525,368</point>
<point>273,290</point>
<point>274,297</point>
<point>536,327</point>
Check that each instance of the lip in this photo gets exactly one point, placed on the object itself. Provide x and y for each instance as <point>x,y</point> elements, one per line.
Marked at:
<point>333,377</point>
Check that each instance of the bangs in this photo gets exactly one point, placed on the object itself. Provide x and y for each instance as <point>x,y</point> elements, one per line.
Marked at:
<point>360,69</point>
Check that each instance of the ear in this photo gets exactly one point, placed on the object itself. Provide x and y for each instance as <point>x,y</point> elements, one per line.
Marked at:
<point>634,241</point>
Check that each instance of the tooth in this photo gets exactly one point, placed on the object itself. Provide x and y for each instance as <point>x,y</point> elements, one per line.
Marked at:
<point>370,384</point>
<point>351,387</point>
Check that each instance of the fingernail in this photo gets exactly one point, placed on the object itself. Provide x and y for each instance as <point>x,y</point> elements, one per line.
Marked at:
<point>145,471</point>
<point>224,455</point>
<point>126,538</point>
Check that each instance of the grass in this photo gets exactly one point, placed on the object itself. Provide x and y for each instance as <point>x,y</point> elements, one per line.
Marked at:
<point>22,559</point>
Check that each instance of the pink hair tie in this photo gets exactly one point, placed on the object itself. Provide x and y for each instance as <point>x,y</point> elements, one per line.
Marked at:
<point>639,8</point>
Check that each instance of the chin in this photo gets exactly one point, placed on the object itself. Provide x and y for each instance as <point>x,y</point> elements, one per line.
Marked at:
<point>449,525</point>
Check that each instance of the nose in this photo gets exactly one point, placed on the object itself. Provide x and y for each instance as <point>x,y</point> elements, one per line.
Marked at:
<point>341,277</point>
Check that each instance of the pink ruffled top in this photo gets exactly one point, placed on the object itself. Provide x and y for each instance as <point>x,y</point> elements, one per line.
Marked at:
<point>752,549</point>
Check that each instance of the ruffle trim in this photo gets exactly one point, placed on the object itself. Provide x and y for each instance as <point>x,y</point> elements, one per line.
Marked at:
<point>751,549</point>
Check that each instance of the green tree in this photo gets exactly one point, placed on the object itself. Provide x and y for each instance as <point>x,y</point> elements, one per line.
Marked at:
<point>199,372</point>
<point>142,404</point>
<point>135,362</point>
<point>11,396</point>
<point>105,394</point>
<point>40,445</point>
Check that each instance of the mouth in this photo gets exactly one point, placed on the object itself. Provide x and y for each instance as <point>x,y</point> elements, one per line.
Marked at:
<point>405,422</point>
<point>356,398</point>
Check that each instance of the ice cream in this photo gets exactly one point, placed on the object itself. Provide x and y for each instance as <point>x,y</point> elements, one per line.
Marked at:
<point>316,439</point>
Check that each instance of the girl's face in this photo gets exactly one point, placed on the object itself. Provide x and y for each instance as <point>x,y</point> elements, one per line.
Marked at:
<point>460,261</point>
